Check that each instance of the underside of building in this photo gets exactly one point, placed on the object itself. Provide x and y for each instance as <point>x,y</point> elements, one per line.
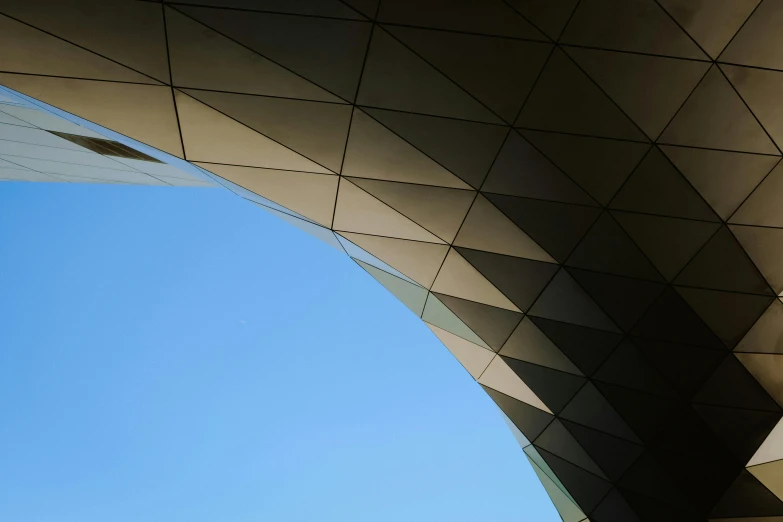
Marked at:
<point>582,199</point>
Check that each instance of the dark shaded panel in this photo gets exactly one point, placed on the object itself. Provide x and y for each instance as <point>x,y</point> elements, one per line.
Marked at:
<point>629,25</point>
<point>723,265</point>
<point>599,165</point>
<point>520,170</point>
<point>521,280</point>
<point>326,8</point>
<point>628,367</point>
<point>529,420</point>
<point>465,148</point>
<point>656,187</point>
<point>586,488</point>
<point>647,477</point>
<point>549,17</point>
<point>591,409</point>
<point>650,510</point>
<point>557,227</point>
<point>327,52</point>
<point>367,7</point>
<point>646,414</point>
<point>665,82</point>
<point>459,15</point>
<point>499,72</point>
<point>747,497</point>
<point>396,78</point>
<point>732,385</point>
<point>723,178</point>
<point>614,508</point>
<point>494,325</point>
<point>566,100</point>
<point>669,243</point>
<point>586,347</point>
<point>741,431</point>
<point>564,300</point>
<point>671,319</point>
<point>728,314</point>
<point>557,440</point>
<point>622,298</point>
<point>690,453</point>
<point>613,454</point>
<point>607,248</point>
<point>686,367</point>
<point>553,387</point>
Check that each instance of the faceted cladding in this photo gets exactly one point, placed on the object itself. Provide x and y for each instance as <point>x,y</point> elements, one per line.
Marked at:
<point>581,198</point>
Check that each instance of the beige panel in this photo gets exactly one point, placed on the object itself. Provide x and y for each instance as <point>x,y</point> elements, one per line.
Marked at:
<point>28,50</point>
<point>500,377</point>
<point>375,152</point>
<point>315,130</point>
<point>771,475</point>
<point>142,112</point>
<point>203,59</point>
<point>472,357</point>
<point>771,449</point>
<point>458,278</point>
<point>439,210</point>
<point>310,195</point>
<point>506,238</point>
<point>212,137</point>
<point>417,260</point>
<point>357,211</point>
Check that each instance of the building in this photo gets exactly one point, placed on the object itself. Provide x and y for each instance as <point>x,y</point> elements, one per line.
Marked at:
<point>579,197</point>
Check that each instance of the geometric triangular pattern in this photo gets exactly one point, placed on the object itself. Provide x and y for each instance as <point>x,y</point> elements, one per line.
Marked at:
<point>724,179</point>
<point>712,25</point>
<point>200,57</point>
<point>581,199</point>
<point>498,83</point>
<point>754,44</point>
<point>640,26</point>
<point>733,127</point>
<point>667,82</point>
<point>132,33</point>
<point>313,129</point>
<point>334,54</point>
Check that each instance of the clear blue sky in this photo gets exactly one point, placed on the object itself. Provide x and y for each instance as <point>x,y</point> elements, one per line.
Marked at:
<point>179,355</point>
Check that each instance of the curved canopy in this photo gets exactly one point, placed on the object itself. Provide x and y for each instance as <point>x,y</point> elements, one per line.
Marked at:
<point>581,198</point>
